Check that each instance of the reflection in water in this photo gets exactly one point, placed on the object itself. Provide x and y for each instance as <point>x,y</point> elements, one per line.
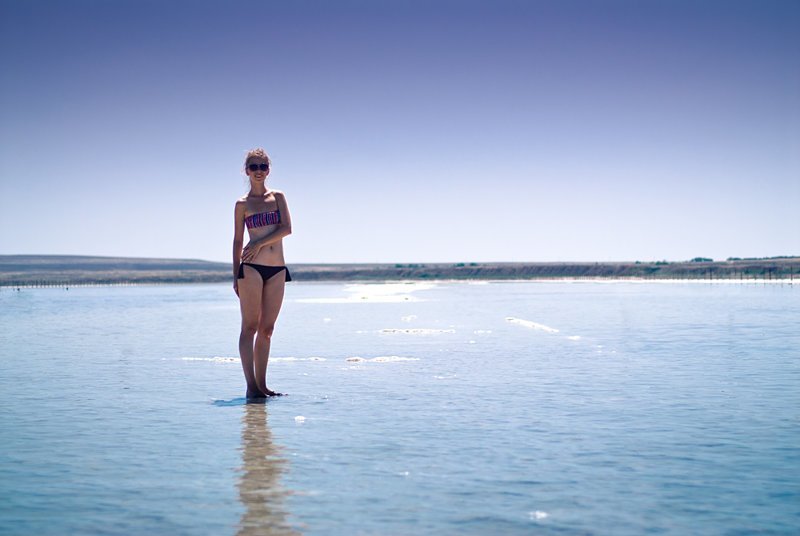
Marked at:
<point>260,485</point>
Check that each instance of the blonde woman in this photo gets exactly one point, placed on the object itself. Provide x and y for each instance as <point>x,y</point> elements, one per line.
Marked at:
<point>259,270</point>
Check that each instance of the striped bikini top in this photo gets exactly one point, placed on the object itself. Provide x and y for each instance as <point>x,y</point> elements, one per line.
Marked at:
<point>263,218</point>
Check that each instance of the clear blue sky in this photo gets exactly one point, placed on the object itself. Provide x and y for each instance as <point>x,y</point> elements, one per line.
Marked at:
<point>404,131</point>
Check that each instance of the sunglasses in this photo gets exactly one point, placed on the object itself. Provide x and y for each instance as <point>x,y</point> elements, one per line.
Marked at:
<point>257,167</point>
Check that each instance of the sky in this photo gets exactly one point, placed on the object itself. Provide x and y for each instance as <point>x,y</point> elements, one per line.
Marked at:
<point>404,131</point>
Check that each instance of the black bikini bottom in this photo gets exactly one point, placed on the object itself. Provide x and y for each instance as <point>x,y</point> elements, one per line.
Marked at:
<point>265,271</point>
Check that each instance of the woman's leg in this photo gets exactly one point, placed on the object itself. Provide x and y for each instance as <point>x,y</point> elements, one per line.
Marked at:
<point>250,290</point>
<point>271,301</point>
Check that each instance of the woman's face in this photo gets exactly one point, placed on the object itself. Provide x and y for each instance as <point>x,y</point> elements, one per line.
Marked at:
<point>257,169</point>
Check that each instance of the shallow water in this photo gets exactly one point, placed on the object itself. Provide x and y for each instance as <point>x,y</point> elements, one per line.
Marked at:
<point>454,408</point>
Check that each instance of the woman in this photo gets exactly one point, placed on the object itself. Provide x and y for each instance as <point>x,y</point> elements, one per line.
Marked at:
<point>259,271</point>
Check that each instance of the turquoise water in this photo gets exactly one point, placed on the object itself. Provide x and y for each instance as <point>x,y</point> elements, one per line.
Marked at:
<point>454,408</point>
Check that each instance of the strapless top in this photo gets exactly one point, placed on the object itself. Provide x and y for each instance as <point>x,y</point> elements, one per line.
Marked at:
<point>263,218</point>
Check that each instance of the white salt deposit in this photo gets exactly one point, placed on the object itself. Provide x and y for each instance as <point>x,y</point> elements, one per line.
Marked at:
<point>381,359</point>
<point>236,359</point>
<point>215,359</point>
<point>312,358</point>
<point>531,324</point>
<point>417,331</point>
<point>375,293</point>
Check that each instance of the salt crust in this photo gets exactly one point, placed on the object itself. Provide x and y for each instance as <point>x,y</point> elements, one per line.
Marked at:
<point>417,331</point>
<point>376,293</point>
<point>236,359</point>
<point>531,324</point>
<point>380,359</point>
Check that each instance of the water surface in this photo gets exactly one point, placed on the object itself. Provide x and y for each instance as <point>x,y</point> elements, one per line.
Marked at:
<point>454,408</point>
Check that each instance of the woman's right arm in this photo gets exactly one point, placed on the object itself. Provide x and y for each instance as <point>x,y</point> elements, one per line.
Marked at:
<point>238,241</point>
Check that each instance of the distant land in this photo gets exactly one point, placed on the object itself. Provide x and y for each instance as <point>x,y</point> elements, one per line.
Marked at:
<point>64,270</point>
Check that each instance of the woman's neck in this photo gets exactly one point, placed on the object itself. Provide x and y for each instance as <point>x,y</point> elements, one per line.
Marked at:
<point>257,190</point>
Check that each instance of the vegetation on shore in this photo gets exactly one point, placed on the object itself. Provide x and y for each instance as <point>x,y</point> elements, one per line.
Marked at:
<point>60,270</point>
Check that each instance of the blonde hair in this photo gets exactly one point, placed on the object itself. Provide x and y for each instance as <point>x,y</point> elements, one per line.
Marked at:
<point>258,152</point>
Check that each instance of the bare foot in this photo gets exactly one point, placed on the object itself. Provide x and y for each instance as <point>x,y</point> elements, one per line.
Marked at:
<point>267,391</point>
<point>254,393</point>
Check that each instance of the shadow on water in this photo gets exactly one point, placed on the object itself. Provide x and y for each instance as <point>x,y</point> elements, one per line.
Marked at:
<point>232,402</point>
<point>260,488</point>
<point>242,401</point>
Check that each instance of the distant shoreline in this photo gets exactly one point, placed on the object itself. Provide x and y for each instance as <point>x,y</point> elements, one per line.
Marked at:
<point>609,280</point>
<point>60,270</point>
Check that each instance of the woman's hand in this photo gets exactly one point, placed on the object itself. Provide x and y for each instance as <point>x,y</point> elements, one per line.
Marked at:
<point>236,286</point>
<point>250,251</point>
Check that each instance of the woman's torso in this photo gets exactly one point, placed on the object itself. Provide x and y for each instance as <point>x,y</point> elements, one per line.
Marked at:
<point>262,218</point>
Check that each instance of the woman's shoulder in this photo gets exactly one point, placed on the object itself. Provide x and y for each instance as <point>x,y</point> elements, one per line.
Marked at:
<point>278,195</point>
